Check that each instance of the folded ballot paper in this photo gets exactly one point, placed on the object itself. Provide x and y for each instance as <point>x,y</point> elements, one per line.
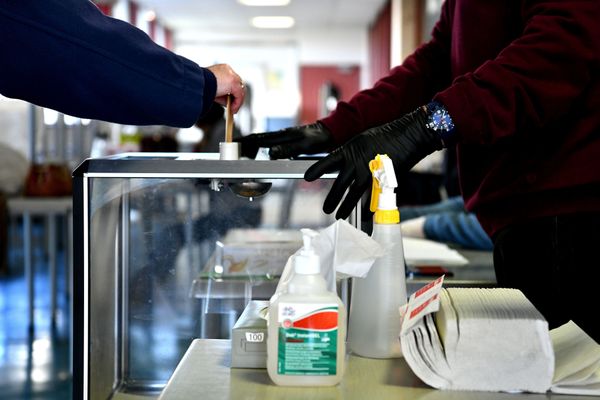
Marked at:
<point>422,252</point>
<point>494,340</point>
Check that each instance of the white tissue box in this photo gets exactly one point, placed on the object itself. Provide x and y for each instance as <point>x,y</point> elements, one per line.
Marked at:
<point>249,337</point>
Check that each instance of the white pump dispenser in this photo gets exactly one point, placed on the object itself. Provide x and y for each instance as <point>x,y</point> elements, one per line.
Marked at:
<point>374,325</point>
<point>306,342</point>
<point>307,262</point>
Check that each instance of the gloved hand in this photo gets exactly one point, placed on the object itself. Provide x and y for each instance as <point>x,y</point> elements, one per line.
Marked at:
<point>289,142</point>
<point>406,141</point>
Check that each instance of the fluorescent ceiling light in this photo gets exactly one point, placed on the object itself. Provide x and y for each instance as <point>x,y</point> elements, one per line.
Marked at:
<point>150,15</point>
<point>70,120</point>
<point>273,22</point>
<point>50,116</point>
<point>260,3</point>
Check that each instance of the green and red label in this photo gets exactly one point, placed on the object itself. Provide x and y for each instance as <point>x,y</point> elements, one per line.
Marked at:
<point>307,342</point>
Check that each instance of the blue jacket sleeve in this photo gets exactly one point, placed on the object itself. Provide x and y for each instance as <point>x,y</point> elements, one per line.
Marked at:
<point>448,221</point>
<point>68,56</point>
<point>462,228</point>
<point>453,204</point>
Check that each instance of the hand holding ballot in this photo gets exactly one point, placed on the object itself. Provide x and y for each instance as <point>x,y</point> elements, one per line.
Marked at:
<point>228,83</point>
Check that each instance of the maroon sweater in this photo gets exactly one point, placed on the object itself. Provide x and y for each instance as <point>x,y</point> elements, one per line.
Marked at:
<point>521,80</point>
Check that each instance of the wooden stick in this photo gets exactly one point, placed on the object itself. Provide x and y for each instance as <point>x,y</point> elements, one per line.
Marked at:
<point>229,122</point>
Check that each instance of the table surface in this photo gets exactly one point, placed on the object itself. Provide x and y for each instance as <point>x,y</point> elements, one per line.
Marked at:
<point>39,205</point>
<point>204,372</point>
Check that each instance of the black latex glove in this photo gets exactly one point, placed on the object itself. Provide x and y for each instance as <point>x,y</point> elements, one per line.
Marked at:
<point>406,141</point>
<point>289,142</point>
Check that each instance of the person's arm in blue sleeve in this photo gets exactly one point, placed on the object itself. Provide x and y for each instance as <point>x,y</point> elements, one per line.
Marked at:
<point>462,228</point>
<point>68,56</point>
<point>446,221</point>
<point>452,204</point>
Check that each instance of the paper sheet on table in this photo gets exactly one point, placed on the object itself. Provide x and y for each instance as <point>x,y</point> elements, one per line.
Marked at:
<point>577,369</point>
<point>423,252</point>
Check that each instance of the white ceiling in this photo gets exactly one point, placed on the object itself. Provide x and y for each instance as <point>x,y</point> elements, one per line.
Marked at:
<point>197,20</point>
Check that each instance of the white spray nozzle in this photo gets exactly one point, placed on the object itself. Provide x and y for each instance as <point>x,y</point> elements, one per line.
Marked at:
<point>384,183</point>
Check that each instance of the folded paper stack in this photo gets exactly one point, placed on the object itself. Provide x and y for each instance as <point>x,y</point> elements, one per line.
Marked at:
<point>494,340</point>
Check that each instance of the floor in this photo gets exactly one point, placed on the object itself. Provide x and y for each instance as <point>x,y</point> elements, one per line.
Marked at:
<point>36,364</point>
<point>33,364</point>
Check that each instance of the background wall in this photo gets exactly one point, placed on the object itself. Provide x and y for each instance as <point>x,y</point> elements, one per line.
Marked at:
<point>315,79</point>
<point>14,124</point>
<point>282,68</point>
<point>271,65</point>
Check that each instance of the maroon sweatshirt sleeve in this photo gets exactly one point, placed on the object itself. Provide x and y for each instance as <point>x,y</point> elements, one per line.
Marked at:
<point>533,81</point>
<point>407,87</point>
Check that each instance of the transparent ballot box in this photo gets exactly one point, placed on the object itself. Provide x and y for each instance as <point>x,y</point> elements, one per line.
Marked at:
<point>169,248</point>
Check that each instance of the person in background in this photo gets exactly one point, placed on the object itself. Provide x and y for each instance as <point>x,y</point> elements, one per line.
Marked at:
<point>14,169</point>
<point>514,89</point>
<point>213,126</point>
<point>68,56</point>
<point>161,141</point>
<point>445,221</point>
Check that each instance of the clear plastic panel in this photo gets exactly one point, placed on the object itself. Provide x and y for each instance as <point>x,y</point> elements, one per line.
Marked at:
<point>184,260</point>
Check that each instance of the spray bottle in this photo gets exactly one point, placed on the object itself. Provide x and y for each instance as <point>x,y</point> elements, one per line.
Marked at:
<point>374,317</point>
<point>306,327</point>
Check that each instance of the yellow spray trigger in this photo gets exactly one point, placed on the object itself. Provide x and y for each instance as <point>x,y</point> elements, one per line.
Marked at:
<point>383,199</point>
<point>375,165</point>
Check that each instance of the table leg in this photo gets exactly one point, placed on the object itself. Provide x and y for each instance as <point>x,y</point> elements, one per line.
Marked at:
<point>28,258</point>
<point>52,265</point>
<point>69,255</point>
<point>69,283</point>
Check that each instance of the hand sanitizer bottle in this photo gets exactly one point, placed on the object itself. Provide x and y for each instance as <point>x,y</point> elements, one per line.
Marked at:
<point>306,327</point>
<point>374,320</point>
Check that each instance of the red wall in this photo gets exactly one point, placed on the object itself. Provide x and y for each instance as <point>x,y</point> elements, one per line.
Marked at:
<point>168,39</point>
<point>313,77</point>
<point>133,9</point>
<point>380,44</point>
<point>105,8</point>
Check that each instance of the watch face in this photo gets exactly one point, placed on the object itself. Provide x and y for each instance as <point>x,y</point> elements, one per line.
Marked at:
<point>440,120</point>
